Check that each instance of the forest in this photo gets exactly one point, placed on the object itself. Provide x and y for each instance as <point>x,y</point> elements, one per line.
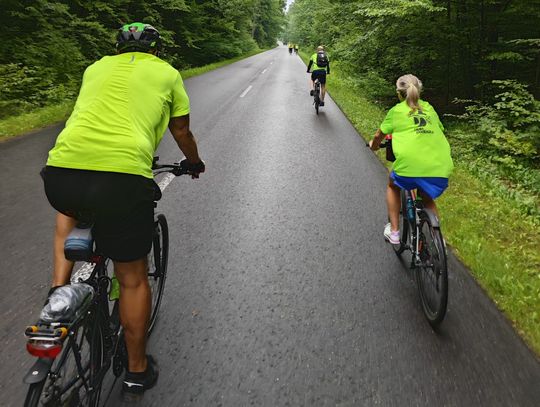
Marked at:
<point>47,44</point>
<point>479,61</point>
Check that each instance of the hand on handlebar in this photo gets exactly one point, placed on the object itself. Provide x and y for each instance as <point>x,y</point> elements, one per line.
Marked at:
<point>192,169</point>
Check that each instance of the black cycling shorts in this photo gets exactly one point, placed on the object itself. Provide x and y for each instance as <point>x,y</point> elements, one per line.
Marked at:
<point>320,75</point>
<point>120,205</point>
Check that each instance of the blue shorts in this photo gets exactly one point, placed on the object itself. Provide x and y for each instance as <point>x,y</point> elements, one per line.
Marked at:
<point>432,186</point>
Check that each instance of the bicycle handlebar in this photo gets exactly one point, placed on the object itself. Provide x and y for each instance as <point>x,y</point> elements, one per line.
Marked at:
<point>175,168</point>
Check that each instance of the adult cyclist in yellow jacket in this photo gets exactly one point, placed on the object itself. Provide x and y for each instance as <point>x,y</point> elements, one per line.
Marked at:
<point>102,163</point>
<point>319,66</point>
<point>423,159</point>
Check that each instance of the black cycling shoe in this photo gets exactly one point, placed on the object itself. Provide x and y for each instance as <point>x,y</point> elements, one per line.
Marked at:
<point>135,384</point>
<point>321,103</point>
<point>311,92</point>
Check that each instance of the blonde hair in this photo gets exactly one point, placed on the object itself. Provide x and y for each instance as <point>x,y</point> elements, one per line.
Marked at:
<point>410,87</point>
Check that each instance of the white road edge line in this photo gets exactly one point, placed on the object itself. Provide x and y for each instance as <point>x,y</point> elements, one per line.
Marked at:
<point>165,181</point>
<point>246,91</point>
<point>264,71</point>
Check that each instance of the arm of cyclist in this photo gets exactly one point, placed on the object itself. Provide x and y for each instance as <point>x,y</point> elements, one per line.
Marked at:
<point>377,140</point>
<point>309,66</point>
<point>179,127</point>
<point>328,68</point>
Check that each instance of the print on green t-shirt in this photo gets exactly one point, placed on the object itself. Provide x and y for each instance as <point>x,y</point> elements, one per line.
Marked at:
<point>418,141</point>
<point>122,111</point>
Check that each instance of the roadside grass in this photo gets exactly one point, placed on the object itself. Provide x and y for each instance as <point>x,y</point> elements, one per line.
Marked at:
<point>487,227</point>
<point>35,119</point>
<point>48,115</point>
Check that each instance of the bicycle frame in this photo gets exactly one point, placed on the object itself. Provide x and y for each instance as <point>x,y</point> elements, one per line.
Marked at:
<point>415,226</point>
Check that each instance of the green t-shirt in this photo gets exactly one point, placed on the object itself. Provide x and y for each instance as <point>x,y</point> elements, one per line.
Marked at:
<point>418,141</point>
<point>122,111</point>
<point>316,67</point>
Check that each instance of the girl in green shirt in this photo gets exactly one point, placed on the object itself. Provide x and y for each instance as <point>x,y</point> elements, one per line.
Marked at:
<point>423,159</point>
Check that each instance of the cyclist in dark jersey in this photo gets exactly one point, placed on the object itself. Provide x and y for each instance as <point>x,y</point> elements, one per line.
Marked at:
<point>102,163</point>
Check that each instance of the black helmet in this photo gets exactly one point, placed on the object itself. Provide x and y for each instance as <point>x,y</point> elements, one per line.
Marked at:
<point>138,37</point>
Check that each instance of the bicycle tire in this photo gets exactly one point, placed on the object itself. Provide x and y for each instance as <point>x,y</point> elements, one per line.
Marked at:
<point>157,267</point>
<point>40,390</point>
<point>433,269</point>
<point>404,226</point>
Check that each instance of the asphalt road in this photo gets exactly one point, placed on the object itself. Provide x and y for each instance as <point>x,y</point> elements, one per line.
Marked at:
<point>281,291</point>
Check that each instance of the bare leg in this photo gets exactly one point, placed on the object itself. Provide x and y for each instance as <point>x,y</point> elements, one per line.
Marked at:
<point>323,92</point>
<point>393,201</point>
<point>62,267</point>
<point>135,304</point>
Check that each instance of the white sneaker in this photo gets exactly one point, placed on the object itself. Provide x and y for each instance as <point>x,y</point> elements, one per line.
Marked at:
<point>390,235</point>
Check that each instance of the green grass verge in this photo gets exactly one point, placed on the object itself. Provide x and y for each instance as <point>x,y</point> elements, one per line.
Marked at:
<point>36,119</point>
<point>486,228</point>
<point>45,116</point>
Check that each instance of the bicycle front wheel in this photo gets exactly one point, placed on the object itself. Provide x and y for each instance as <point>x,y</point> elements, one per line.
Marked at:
<point>432,273</point>
<point>157,266</point>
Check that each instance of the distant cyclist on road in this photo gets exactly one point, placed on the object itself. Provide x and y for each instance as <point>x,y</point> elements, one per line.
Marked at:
<point>423,159</point>
<point>291,46</point>
<point>296,49</point>
<point>102,164</point>
<point>321,67</point>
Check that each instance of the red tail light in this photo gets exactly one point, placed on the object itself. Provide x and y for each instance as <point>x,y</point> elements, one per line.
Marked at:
<point>43,348</point>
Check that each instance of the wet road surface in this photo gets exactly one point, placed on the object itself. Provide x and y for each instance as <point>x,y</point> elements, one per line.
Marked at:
<point>281,291</point>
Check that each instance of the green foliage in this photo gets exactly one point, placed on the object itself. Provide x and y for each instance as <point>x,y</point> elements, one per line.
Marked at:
<point>506,144</point>
<point>509,122</point>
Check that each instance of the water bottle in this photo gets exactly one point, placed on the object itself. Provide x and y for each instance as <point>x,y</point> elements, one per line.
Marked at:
<point>65,302</point>
<point>79,243</point>
<point>410,209</point>
<point>114,294</point>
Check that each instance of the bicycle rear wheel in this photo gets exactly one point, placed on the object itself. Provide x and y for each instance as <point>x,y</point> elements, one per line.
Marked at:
<point>64,385</point>
<point>157,266</point>
<point>432,273</point>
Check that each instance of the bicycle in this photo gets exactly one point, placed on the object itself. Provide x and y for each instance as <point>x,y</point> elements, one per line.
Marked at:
<point>75,356</point>
<point>420,234</point>
<point>317,95</point>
